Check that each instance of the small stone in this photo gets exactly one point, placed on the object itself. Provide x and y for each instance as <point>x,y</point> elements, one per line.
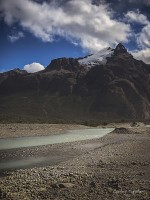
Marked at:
<point>92,184</point>
<point>110,190</point>
<point>66,185</point>
<point>54,185</point>
<point>42,189</point>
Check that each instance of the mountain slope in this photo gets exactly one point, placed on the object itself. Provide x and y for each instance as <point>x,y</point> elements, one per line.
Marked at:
<point>110,85</point>
<point>98,58</point>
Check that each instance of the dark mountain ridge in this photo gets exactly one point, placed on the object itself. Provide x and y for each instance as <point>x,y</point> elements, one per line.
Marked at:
<point>111,85</point>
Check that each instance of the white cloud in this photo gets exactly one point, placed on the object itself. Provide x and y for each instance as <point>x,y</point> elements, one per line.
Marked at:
<point>143,38</point>
<point>143,55</point>
<point>34,67</point>
<point>16,36</point>
<point>133,16</point>
<point>94,27</point>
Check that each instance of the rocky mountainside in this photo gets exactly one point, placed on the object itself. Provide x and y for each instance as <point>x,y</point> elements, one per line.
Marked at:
<point>110,84</point>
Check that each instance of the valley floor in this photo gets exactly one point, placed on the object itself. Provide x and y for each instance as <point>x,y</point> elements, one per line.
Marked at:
<point>116,166</point>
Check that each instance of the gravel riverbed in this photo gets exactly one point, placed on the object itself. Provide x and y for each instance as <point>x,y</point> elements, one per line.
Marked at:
<point>116,166</point>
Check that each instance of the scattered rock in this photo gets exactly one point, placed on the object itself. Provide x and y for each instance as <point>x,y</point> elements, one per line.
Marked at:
<point>2,194</point>
<point>92,184</point>
<point>54,185</point>
<point>114,184</point>
<point>62,185</point>
<point>123,130</point>
<point>66,185</point>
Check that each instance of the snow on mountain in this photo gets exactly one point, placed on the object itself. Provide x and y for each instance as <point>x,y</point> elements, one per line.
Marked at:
<point>97,58</point>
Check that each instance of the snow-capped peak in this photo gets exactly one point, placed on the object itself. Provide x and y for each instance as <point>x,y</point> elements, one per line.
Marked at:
<point>97,58</point>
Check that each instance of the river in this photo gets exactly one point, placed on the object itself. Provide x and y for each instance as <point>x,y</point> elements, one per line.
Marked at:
<point>12,145</point>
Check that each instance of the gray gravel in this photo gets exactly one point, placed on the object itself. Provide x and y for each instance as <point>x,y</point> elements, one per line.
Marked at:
<point>116,166</point>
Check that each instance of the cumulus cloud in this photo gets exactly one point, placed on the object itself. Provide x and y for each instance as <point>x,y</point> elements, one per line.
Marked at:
<point>34,67</point>
<point>93,27</point>
<point>143,55</point>
<point>142,37</point>
<point>133,16</point>
<point>81,22</point>
<point>16,36</point>
<point>143,42</point>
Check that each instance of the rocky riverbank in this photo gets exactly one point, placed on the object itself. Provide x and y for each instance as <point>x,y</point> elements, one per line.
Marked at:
<point>116,166</point>
<point>19,130</point>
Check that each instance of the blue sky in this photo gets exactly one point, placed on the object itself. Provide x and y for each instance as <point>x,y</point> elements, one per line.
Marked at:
<point>31,49</point>
<point>39,31</point>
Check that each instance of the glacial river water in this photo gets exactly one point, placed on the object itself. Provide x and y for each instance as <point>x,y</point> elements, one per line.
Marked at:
<point>69,136</point>
<point>12,144</point>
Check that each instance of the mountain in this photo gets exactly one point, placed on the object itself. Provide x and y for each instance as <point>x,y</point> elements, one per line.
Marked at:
<point>108,85</point>
<point>98,58</point>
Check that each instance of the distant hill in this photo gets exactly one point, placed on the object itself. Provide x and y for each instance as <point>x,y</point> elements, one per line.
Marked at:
<point>108,85</point>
